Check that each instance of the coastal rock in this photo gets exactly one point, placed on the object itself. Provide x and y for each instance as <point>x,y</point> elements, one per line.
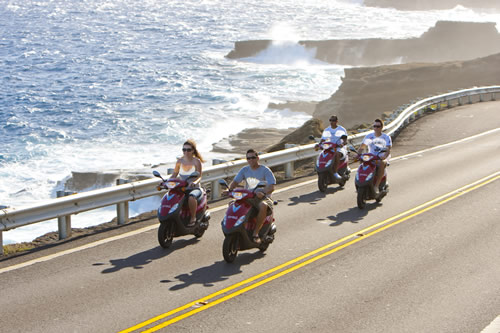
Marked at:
<point>445,41</point>
<point>301,135</point>
<point>432,4</point>
<point>256,138</point>
<point>366,93</point>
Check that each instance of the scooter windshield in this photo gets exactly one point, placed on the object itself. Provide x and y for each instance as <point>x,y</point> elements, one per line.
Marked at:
<point>335,138</point>
<point>253,183</point>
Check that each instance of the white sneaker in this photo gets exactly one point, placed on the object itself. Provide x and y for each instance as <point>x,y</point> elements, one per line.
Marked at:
<point>337,176</point>
<point>376,190</point>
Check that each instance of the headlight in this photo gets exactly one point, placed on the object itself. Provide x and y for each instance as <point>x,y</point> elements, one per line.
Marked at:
<point>326,145</point>
<point>174,208</point>
<point>171,185</point>
<point>238,195</point>
<point>366,158</point>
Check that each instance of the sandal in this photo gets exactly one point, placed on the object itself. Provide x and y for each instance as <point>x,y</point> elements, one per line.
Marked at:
<point>256,239</point>
<point>191,223</point>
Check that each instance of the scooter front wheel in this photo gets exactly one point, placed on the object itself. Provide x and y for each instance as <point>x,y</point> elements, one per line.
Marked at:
<point>322,182</point>
<point>198,233</point>
<point>230,248</point>
<point>166,234</point>
<point>362,197</point>
<point>263,247</point>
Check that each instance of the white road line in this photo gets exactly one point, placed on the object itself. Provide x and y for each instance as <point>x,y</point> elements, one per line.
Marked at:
<point>494,327</point>
<point>215,209</point>
<point>445,145</point>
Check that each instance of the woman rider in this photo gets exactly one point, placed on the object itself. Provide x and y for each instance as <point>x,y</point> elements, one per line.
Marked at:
<point>190,162</point>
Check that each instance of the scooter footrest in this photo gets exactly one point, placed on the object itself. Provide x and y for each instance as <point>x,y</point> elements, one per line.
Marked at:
<point>269,239</point>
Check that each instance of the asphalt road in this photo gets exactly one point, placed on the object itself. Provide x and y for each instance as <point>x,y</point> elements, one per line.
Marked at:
<point>424,260</point>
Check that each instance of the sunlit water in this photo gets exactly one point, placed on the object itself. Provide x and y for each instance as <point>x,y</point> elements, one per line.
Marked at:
<point>94,86</point>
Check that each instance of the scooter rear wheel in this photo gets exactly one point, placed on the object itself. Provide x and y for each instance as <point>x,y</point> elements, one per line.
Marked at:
<point>362,197</point>
<point>230,248</point>
<point>166,234</point>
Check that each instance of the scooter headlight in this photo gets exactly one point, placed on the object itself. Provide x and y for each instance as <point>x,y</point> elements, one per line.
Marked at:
<point>366,158</point>
<point>326,145</point>
<point>171,185</point>
<point>174,208</point>
<point>238,195</point>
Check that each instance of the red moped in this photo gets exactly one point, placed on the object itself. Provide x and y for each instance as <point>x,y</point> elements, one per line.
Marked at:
<point>240,221</point>
<point>173,213</point>
<point>366,177</point>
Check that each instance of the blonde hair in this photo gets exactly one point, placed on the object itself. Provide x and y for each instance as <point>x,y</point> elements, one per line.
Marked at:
<point>195,150</point>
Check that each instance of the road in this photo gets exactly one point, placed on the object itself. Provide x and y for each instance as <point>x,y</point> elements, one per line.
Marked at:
<point>424,260</point>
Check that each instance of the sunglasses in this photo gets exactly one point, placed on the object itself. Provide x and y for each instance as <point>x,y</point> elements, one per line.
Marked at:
<point>187,149</point>
<point>333,120</point>
<point>377,126</point>
<point>251,157</point>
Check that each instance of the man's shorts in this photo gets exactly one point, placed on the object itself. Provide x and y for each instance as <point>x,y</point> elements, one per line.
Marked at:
<point>256,201</point>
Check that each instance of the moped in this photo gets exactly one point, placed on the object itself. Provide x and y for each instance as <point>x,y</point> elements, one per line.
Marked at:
<point>239,223</point>
<point>173,213</point>
<point>325,161</point>
<point>366,176</point>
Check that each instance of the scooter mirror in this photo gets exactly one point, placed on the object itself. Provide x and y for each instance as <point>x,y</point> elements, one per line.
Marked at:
<point>311,137</point>
<point>156,174</point>
<point>222,182</point>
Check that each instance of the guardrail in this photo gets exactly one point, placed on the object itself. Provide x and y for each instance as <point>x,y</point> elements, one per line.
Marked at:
<point>62,208</point>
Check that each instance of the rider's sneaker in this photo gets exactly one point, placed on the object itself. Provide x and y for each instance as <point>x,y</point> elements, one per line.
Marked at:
<point>376,190</point>
<point>337,176</point>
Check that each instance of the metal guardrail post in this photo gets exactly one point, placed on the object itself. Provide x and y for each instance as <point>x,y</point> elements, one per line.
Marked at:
<point>122,214</point>
<point>215,187</point>
<point>64,222</point>
<point>460,101</point>
<point>289,167</point>
<point>481,98</point>
<point>1,234</point>
<point>493,96</point>
<point>470,99</point>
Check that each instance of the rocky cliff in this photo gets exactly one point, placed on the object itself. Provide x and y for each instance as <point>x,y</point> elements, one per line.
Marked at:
<point>445,41</point>
<point>432,4</point>
<point>367,93</point>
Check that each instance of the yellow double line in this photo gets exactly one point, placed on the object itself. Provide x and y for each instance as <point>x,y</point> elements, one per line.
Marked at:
<point>276,272</point>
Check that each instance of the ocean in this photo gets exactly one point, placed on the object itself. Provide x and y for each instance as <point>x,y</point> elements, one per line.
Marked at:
<point>92,86</point>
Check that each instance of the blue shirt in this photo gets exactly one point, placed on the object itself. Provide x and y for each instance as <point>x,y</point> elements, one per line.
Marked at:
<point>253,177</point>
